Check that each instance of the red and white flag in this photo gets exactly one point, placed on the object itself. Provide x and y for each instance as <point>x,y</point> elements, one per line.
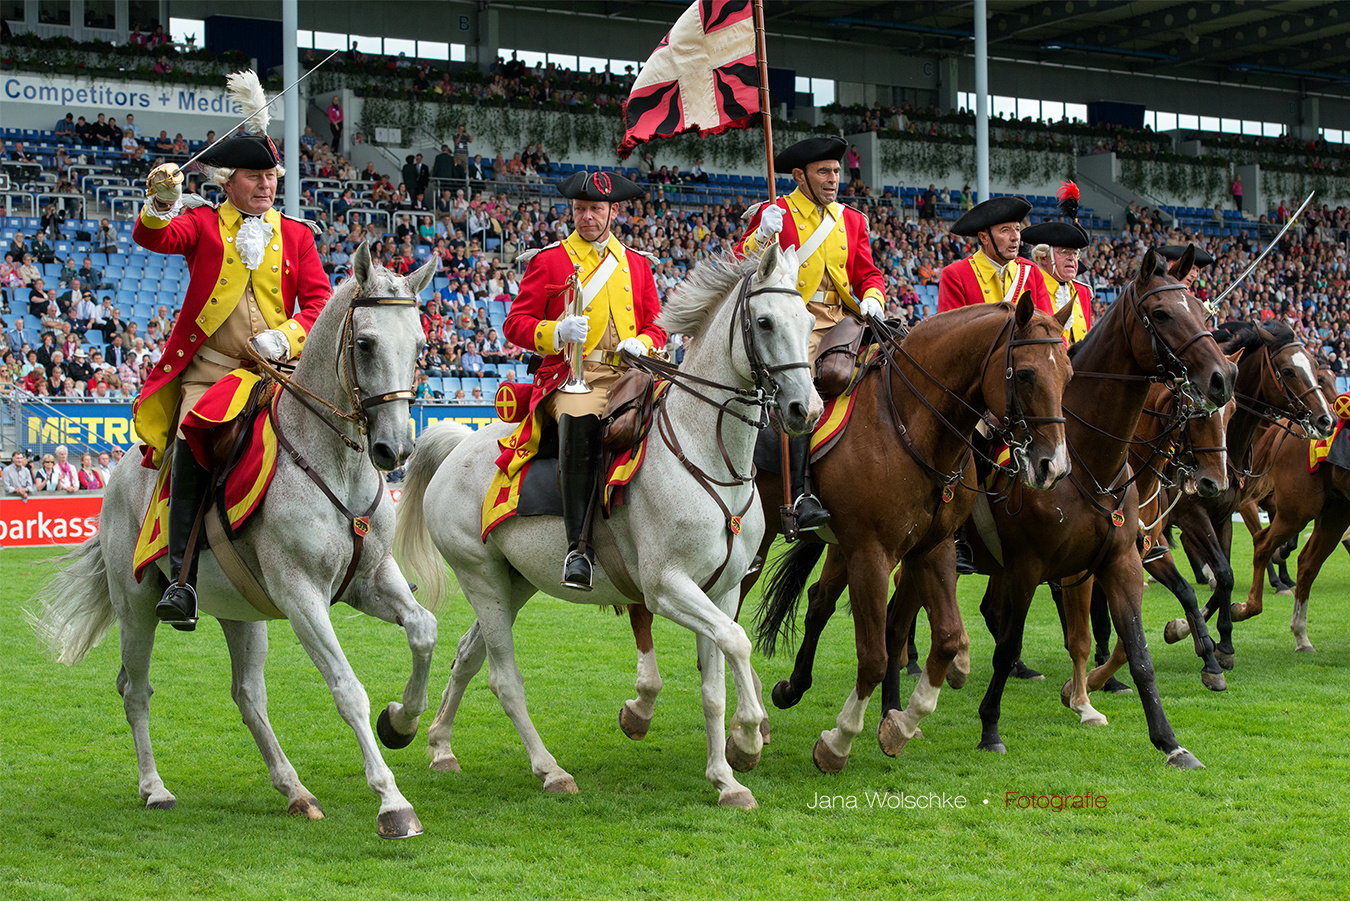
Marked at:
<point>702,76</point>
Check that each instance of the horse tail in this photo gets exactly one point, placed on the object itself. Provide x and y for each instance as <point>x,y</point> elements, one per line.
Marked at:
<point>412,541</point>
<point>787,580</point>
<point>74,608</point>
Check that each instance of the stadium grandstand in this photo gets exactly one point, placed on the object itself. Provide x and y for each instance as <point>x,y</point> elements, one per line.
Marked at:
<point>1181,122</point>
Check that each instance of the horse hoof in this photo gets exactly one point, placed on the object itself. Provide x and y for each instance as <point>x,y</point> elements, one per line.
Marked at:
<point>913,670</point>
<point>826,760</point>
<point>1184,760</point>
<point>390,737</point>
<point>168,803</point>
<point>562,784</point>
<point>1213,681</point>
<point>1287,592</point>
<point>1174,631</point>
<point>739,798</point>
<point>398,823</point>
<point>889,736</point>
<point>782,696</point>
<point>1305,649</point>
<point>1066,694</point>
<point>446,764</point>
<point>994,747</point>
<point>1092,719</point>
<point>1116,687</point>
<point>634,726</point>
<point>1225,658</point>
<point>305,807</point>
<point>764,730</point>
<point>956,678</point>
<point>740,761</point>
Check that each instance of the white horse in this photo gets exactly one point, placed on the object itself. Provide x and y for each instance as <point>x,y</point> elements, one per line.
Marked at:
<point>750,335</point>
<point>363,345</point>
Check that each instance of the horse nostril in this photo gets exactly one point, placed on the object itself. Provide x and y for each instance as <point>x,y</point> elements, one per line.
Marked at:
<point>1219,389</point>
<point>797,410</point>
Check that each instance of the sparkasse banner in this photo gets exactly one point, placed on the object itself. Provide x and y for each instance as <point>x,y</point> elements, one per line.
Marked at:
<point>117,98</point>
<point>48,519</point>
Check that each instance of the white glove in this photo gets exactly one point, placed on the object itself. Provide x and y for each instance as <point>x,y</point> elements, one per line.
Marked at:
<point>770,223</point>
<point>871,309</point>
<point>273,345</point>
<point>571,330</point>
<point>633,346</point>
<point>165,184</point>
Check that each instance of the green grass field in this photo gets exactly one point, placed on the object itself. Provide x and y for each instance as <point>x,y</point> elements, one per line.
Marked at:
<point>1259,822</point>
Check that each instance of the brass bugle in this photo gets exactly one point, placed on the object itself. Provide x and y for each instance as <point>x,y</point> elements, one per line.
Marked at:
<point>576,352</point>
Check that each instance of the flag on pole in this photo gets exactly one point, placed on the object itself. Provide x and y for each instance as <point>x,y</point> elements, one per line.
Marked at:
<point>702,76</point>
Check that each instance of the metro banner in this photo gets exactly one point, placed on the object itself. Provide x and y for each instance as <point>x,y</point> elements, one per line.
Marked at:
<point>101,426</point>
<point>46,519</point>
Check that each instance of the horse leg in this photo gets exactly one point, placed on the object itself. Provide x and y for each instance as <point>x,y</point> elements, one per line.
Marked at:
<point>868,571</point>
<point>635,716</point>
<point>136,623</point>
<point>308,614</point>
<point>1078,642</point>
<point>911,660</point>
<point>388,598</point>
<point>932,580</point>
<point>680,600</point>
<point>247,642</point>
<point>1122,578</point>
<point>1206,544</point>
<point>469,656</point>
<point>1101,639</point>
<point>1326,534</point>
<point>1013,591</point>
<point>1281,560</point>
<point>1165,571</point>
<point>821,599</point>
<point>1264,547</point>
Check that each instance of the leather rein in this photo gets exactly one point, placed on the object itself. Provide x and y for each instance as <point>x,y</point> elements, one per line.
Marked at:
<point>358,414</point>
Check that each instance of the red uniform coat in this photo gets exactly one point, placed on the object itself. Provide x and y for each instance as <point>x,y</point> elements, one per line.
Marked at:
<point>958,286</point>
<point>290,286</point>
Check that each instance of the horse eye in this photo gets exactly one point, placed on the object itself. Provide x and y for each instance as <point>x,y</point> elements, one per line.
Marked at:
<point>764,322</point>
<point>1026,376</point>
<point>365,345</point>
<point>1288,373</point>
<point>1162,315</point>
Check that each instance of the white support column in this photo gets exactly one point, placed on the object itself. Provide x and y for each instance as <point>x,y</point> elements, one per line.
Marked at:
<point>290,71</point>
<point>981,101</point>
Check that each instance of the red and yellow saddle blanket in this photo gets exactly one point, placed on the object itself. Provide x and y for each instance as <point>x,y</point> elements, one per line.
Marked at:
<point>1319,449</point>
<point>246,484</point>
<point>502,500</point>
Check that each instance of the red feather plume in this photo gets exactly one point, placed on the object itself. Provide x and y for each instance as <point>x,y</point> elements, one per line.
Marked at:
<point>1068,199</point>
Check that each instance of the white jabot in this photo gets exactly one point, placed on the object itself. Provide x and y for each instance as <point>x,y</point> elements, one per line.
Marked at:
<point>254,233</point>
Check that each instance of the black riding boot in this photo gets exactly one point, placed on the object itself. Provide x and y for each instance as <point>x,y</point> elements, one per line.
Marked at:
<point>965,556</point>
<point>188,483</point>
<point>810,514</point>
<point>578,465</point>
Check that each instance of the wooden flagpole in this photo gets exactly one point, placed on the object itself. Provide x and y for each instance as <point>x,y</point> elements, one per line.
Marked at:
<point>762,57</point>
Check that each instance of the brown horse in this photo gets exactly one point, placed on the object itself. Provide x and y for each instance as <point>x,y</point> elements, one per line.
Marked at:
<point>896,483</point>
<point>1077,531</point>
<point>1300,497</point>
<point>1275,378</point>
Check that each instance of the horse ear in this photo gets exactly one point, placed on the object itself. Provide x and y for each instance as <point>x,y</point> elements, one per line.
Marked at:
<point>768,263</point>
<point>1265,334</point>
<point>1182,267</point>
<point>1148,267</point>
<point>1064,314</point>
<point>1235,355</point>
<point>1026,307</point>
<point>361,263</point>
<point>422,277</point>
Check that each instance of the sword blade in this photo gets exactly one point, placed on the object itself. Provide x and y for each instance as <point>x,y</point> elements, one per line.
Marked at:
<point>1269,247</point>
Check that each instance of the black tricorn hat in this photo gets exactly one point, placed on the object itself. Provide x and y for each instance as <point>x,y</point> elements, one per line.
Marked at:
<point>991,212</point>
<point>244,152</point>
<point>1056,234</point>
<point>607,186</point>
<point>812,150</point>
<point>1173,252</point>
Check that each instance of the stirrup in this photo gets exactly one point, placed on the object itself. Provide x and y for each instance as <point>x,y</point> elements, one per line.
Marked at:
<point>178,607</point>
<point>577,571</point>
<point>809,513</point>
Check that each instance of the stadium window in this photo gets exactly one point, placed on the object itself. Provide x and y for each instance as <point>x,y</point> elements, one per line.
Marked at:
<point>371,45</point>
<point>803,85</point>
<point>457,53</point>
<point>1274,129</point>
<point>1209,123</point>
<point>1187,122</point>
<point>1166,121</point>
<point>395,46</point>
<point>144,13</point>
<point>1004,106</point>
<point>1052,110</point>
<point>304,39</point>
<point>179,29</point>
<point>1251,128</point>
<point>1028,109</point>
<point>327,40</point>
<point>438,50</point>
<point>54,12</point>
<point>563,61</point>
<point>1076,111</point>
<point>100,14</point>
<point>1230,126</point>
<point>531,58</point>
<point>1334,135</point>
<point>822,89</point>
<point>1150,119</point>
<point>586,63</point>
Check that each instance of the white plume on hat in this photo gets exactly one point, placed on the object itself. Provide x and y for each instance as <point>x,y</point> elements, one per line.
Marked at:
<point>246,90</point>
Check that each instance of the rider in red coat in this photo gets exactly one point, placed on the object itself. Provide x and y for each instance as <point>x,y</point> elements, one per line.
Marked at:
<point>1056,247</point>
<point>255,278</point>
<point>994,272</point>
<point>619,310</point>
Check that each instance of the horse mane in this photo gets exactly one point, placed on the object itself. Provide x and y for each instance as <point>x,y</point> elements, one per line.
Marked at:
<point>1238,334</point>
<point>690,307</point>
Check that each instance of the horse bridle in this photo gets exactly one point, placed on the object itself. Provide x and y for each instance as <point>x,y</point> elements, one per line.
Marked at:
<point>1297,408</point>
<point>359,412</point>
